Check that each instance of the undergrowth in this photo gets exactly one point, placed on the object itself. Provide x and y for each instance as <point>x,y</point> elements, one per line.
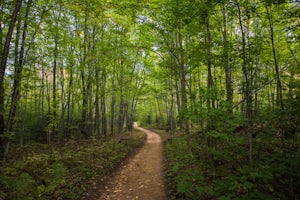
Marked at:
<point>44,171</point>
<point>196,171</point>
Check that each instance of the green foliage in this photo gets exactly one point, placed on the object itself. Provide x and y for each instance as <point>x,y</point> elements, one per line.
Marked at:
<point>62,172</point>
<point>223,172</point>
<point>153,57</point>
<point>17,185</point>
<point>24,187</point>
<point>54,177</point>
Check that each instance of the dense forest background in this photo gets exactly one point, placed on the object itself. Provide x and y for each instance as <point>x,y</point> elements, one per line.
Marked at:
<point>221,76</point>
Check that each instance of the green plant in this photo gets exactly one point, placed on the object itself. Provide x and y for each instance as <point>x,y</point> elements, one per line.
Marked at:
<point>24,187</point>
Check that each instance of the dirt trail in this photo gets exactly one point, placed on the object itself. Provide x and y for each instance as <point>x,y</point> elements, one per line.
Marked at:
<point>142,176</point>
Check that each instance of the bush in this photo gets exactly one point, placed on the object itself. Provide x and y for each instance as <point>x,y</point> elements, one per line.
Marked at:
<point>223,171</point>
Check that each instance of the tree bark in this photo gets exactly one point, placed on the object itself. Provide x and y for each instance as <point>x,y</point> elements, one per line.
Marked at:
<point>279,100</point>
<point>70,89</point>
<point>246,86</point>
<point>103,104</point>
<point>54,105</point>
<point>84,90</point>
<point>97,110</point>
<point>122,103</point>
<point>210,83</point>
<point>20,60</point>
<point>15,91</point>
<point>229,91</point>
<point>63,107</point>
<point>4,142</point>
<point>183,82</point>
<point>113,100</point>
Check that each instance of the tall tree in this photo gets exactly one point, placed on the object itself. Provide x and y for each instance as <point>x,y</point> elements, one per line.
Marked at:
<point>276,65</point>
<point>229,91</point>
<point>4,56</point>
<point>19,64</point>
<point>246,81</point>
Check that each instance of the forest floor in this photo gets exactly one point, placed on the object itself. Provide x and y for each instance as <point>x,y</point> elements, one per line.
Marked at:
<point>141,177</point>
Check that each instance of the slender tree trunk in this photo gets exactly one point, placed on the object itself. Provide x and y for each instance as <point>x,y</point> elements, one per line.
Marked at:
<point>54,73</point>
<point>43,95</point>
<point>256,70</point>
<point>4,56</point>
<point>84,90</point>
<point>171,117</point>
<point>97,110</point>
<point>70,90</point>
<point>89,122</point>
<point>48,94</point>
<point>54,102</point>
<point>246,86</point>
<point>256,106</point>
<point>158,105</point>
<point>183,82</point>
<point>127,116</point>
<point>279,99</point>
<point>103,104</point>
<point>229,91</point>
<point>113,100</point>
<point>132,112</point>
<point>210,84</point>
<point>121,115</point>
<point>91,64</point>
<point>178,103</point>
<point>63,107</point>
<point>122,103</point>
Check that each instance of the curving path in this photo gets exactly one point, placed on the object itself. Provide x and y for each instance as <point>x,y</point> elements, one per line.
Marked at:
<point>142,176</point>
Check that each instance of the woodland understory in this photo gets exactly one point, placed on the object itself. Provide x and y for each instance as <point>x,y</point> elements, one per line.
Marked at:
<point>218,79</point>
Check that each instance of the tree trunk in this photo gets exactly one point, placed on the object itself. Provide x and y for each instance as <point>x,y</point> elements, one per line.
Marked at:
<point>256,71</point>
<point>15,90</point>
<point>54,105</point>
<point>171,121</point>
<point>113,100</point>
<point>122,103</point>
<point>84,90</point>
<point>53,120</point>
<point>210,84</point>
<point>89,121</point>
<point>18,70</point>
<point>97,110</point>
<point>279,100</point>
<point>229,91</point>
<point>246,87</point>
<point>70,89</point>
<point>4,142</point>
<point>103,104</point>
<point>178,103</point>
<point>183,83</point>
<point>63,107</point>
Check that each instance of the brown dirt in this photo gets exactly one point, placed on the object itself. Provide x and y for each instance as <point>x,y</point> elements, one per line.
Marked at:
<point>141,177</point>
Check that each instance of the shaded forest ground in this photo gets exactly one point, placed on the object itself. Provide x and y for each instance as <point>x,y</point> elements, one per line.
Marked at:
<point>63,171</point>
<point>196,171</point>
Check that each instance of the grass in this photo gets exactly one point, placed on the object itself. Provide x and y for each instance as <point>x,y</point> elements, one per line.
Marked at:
<point>56,171</point>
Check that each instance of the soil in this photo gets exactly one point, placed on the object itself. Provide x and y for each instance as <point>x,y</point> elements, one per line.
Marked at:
<point>140,178</point>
